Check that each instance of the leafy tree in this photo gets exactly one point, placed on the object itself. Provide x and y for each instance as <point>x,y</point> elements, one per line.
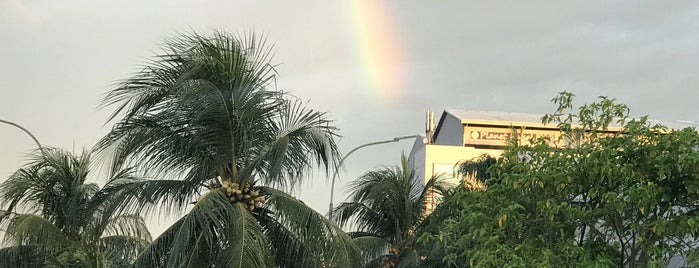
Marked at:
<point>387,207</point>
<point>205,120</point>
<point>57,219</point>
<point>609,192</point>
<point>473,174</point>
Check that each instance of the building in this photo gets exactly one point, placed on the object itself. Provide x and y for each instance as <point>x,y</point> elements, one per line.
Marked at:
<point>463,135</point>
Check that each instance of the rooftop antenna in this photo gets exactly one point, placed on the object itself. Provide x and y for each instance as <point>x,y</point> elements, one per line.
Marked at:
<point>429,127</point>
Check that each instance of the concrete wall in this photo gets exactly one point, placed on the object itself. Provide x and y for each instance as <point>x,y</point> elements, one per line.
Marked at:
<point>416,161</point>
<point>437,157</point>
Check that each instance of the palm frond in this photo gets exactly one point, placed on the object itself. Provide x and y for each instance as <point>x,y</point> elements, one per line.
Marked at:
<point>378,262</point>
<point>158,252</point>
<point>201,102</point>
<point>65,215</point>
<point>53,186</point>
<point>328,243</point>
<point>303,139</point>
<point>205,108</point>
<point>121,248</point>
<point>382,203</point>
<point>408,259</point>
<point>29,229</point>
<point>477,167</point>
<point>294,251</point>
<point>371,246</point>
<point>130,225</point>
<point>215,231</point>
<point>23,256</point>
<point>388,203</point>
<point>347,211</point>
<point>146,196</point>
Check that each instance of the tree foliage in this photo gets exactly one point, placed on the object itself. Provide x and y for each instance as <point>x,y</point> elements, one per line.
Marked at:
<point>388,206</point>
<point>473,174</point>
<point>205,121</point>
<point>610,191</point>
<point>56,219</point>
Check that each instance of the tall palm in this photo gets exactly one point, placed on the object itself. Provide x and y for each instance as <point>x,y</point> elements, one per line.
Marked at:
<point>55,218</point>
<point>387,206</point>
<point>205,121</point>
<point>474,172</point>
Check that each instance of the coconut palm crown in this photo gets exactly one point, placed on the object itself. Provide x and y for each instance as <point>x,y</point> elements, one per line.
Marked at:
<point>387,206</point>
<point>205,121</point>
<point>55,218</point>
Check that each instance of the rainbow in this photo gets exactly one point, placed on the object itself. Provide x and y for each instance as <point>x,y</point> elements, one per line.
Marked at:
<point>379,48</point>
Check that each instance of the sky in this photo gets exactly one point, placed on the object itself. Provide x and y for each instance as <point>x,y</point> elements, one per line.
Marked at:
<point>375,67</point>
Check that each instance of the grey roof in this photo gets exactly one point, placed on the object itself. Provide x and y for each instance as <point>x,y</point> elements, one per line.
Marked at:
<point>468,116</point>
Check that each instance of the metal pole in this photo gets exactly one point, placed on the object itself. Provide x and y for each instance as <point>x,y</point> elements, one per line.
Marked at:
<point>332,185</point>
<point>12,204</point>
<point>25,131</point>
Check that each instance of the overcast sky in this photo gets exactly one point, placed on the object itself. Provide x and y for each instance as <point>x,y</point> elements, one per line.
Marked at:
<point>374,66</point>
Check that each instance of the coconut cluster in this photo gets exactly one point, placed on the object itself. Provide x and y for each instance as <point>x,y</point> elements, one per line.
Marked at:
<point>243,194</point>
<point>393,251</point>
<point>390,260</point>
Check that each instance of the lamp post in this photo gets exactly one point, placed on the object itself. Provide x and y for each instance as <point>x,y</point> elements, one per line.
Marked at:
<point>25,131</point>
<point>332,185</point>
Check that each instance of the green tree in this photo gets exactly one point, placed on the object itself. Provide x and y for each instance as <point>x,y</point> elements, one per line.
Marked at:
<point>473,174</point>
<point>387,207</point>
<point>609,192</point>
<point>205,121</point>
<point>56,219</point>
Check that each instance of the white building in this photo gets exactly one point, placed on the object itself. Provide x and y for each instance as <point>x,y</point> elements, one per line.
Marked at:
<point>463,135</point>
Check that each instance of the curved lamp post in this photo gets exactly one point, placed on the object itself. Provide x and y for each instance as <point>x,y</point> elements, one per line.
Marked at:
<point>12,204</point>
<point>25,131</point>
<point>332,185</point>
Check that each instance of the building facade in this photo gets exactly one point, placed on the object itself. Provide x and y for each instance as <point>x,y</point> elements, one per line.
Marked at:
<point>464,135</point>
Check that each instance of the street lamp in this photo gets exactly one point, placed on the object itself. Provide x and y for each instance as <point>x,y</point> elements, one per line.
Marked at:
<point>25,131</point>
<point>332,185</point>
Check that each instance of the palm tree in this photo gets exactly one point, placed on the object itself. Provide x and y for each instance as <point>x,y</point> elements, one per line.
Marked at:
<point>387,206</point>
<point>206,123</point>
<point>55,218</point>
<point>474,172</point>
<point>474,175</point>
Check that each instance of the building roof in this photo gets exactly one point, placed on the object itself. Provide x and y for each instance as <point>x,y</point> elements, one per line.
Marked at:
<point>499,118</point>
<point>491,118</point>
